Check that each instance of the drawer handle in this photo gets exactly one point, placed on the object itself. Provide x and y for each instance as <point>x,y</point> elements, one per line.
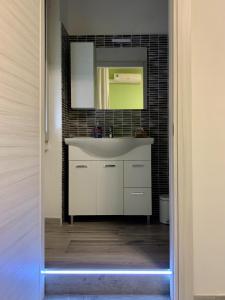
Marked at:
<point>138,166</point>
<point>137,193</point>
<point>81,166</point>
<point>109,166</point>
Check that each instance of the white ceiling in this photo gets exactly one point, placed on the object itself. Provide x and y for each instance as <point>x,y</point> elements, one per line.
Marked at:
<point>115,16</point>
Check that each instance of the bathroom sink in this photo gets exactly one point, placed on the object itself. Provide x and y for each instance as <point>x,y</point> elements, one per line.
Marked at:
<point>108,147</point>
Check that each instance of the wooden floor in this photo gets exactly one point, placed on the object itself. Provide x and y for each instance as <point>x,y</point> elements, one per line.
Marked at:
<point>111,244</point>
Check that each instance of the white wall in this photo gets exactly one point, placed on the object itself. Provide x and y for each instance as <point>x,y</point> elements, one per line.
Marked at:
<point>20,212</point>
<point>53,154</point>
<point>208,108</point>
<point>115,17</point>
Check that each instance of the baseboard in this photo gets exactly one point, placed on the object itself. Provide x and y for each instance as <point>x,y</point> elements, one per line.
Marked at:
<point>53,220</point>
<point>209,298</point>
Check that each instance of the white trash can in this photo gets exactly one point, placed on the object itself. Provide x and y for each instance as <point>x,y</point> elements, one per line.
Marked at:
<point>164,209</point>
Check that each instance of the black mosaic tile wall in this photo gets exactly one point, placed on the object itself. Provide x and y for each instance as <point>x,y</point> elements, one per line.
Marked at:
<point>65,132</point>
<point>154,119</point>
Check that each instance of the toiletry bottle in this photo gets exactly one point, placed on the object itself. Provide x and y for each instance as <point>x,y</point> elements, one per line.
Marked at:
<point>110,132</point>
<point>98,131</point>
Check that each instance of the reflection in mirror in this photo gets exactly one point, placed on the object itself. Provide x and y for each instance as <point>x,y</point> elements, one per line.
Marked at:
<point>120,88</point>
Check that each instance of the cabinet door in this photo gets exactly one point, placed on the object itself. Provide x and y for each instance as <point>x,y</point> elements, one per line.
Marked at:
<point>137,174</point>
<point>82,188</point>
<point>110,188</point>
<point>82,75</point>
<point>138,201</point>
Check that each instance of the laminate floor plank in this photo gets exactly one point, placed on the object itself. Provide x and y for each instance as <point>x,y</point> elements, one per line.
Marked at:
<point>111,244</point>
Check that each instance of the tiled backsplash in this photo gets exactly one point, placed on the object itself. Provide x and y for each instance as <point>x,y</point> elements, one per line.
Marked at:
<point>154,119</point>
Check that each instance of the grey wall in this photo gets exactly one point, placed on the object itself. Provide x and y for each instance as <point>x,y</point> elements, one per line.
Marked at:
<point>115,17</point>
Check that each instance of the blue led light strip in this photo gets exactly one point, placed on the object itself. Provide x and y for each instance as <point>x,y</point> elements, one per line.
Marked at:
<point>106,272</point>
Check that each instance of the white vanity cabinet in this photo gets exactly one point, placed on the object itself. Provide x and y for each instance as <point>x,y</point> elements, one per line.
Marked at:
<point>103,184</point>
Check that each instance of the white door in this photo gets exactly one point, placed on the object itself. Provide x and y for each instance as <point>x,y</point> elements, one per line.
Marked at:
<point>110,188</point>
<point>21,57</point>
<point>82,188</point>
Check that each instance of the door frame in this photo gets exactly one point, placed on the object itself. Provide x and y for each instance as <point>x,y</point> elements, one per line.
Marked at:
<point>181,230</point>
<point>42,95</point>
<point>180,129</point>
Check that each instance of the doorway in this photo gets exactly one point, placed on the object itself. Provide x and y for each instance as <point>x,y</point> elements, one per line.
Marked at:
<point>152,239</point>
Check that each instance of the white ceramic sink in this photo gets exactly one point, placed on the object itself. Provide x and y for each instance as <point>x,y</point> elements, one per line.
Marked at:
<point>108,147</point>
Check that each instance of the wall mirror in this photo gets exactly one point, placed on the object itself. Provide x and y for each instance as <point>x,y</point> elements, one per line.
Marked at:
<point>121,78</point>
<point>120,88</point>
<point>109,78</point>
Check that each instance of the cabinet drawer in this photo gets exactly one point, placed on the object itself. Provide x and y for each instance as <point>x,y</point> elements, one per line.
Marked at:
<point>137,174</point>
<point>138,201</point>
